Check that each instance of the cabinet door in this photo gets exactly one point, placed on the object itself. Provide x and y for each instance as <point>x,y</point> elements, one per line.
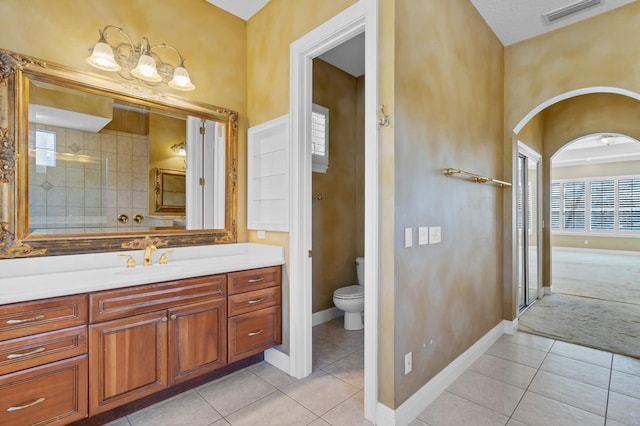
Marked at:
<point>127,360</point>
<point>197,339</point>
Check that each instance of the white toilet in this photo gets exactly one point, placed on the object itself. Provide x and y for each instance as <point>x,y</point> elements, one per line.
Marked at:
<point>350,299</point>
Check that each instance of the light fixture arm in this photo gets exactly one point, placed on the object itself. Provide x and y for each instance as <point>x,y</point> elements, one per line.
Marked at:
<point>103,35</point>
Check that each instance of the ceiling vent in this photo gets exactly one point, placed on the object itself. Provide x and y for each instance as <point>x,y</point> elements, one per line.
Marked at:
<point>569,10</point>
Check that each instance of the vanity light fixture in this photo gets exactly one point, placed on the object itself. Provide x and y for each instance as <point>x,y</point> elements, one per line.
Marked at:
<point>607,139</point>
<point>180,149</point>
<point>139,62</point>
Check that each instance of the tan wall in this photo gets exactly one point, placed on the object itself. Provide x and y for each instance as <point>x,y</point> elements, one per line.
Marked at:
<point>550,65</point>
<point>336,224</point>
<point>212,41</point>
<point>448,113</point>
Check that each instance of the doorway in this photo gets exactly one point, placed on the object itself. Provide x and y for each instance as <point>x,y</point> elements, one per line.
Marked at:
<point>528,220</point>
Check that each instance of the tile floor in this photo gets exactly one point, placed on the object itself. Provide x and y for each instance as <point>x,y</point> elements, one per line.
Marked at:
<point>521,380</point>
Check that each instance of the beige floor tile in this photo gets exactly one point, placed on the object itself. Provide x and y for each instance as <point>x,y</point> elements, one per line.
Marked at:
<point>577,370</point>
<point>349,369</point>
<point>320,392</point>
<point>488,392</point>
<point>581,395</point>
<point>273,375</point>
<point>529,340</point>
<point>506,371</point>
<point>221,422</point>
<point>188,409</point>
<point>276,409</point>
<point>625,383</point>
<point>451,410</point>
<point>537,410</point>
<point>518,353</point>
<point>418,422</point>
<point>122,421</point>
<point>327,353</point>
<point>318,422</point>
<point>626,364</point>
<point>514,422</point>
<point>349,412</point>
<point>623,409</point>
<point>614,423</point>
<point>581,353</point>
<point>235,392</point>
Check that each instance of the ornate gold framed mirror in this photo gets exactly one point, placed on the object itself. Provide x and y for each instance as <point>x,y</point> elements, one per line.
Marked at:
<point>170,191</point>
<point>79,154</point>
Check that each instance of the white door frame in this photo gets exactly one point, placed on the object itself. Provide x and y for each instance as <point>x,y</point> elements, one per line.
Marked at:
<point>358,18</point>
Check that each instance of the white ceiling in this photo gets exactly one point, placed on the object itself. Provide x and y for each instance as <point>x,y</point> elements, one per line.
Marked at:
<point>591,149</point>
<point>244,9</point>
<point>516,20</point>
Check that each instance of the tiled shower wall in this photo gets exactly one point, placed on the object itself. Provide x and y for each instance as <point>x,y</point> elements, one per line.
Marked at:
<point>96,177</point>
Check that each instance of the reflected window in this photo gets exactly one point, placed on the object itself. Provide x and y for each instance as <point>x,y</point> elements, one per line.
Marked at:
<point>45,149</point>
<point>320,138</point>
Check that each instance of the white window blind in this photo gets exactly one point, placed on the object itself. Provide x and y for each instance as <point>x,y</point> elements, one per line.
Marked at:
<point>574,204</point>
<point>629,204</point>
<point>45,149</point>
<point>602,204</point>
<point>319,138</point>
<point>555,205</point>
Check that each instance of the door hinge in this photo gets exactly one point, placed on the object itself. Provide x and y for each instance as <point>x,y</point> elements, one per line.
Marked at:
<point>201,181</point>
<point>310,253</point>
<point>203,130</point>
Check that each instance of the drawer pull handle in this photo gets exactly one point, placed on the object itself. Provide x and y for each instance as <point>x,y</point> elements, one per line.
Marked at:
<point>255,280</point>
<point>253,302</point>
<point>255,333</point>
<point>22,407</point>
<point>36,351</point>
<point>32,319</point>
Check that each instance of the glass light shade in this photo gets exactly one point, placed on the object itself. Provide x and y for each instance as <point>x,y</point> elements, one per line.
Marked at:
<point>181,80</point>
<point>146,69</point>
<point>102,58</point>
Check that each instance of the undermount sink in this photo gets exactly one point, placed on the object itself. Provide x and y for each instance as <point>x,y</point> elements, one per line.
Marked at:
<point>151,270</point>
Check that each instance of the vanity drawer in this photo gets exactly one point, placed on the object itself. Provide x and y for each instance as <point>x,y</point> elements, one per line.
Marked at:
<point>23,319</point>
<point>253,300</point>
<point>254,332</point>
<point>124,302</point>
<point>254,279</point>
<point>26,352</point>
<point>53,394</point>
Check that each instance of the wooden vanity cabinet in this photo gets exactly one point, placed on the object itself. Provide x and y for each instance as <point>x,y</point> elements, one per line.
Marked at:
<point>43,361</point>
<point>255,314</point>
<point>167,333</point>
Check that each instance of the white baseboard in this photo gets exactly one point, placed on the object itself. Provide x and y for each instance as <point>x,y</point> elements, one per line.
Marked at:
<point>510,327</point>
<point>598,251</point>
<point>278,359</point>
<point>413,406</point>
<point>325,316</point>
<point>546,290</point>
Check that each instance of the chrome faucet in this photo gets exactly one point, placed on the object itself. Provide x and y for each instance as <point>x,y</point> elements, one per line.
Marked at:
<point>148,260</point>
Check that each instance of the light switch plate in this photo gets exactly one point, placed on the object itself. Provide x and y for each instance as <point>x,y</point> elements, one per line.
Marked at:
<point>262,235</point>
<point>423,235</point>
<point>408,237</point>
<point>435,235</point>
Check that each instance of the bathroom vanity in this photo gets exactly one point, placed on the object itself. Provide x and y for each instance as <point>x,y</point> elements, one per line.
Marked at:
<point>68,357</point>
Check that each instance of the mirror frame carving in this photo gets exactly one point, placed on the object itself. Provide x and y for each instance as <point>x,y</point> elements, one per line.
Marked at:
<point>15,241</point>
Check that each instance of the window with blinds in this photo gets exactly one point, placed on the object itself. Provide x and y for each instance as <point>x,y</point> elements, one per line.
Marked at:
<point>629,204</point>
<point>596,205</point>
<point>573,206</point>
<point>319,138</point>
<point>602,204</point>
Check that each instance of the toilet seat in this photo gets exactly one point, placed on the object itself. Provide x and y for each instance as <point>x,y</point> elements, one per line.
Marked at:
<point>349,292</point>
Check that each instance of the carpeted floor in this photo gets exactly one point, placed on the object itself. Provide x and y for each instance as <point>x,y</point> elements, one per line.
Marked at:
<point>595,302</point>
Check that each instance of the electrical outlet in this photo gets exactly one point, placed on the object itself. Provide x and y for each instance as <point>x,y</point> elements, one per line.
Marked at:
<point>435,235</point>
<point>408,363</point>
<point>262,235</point>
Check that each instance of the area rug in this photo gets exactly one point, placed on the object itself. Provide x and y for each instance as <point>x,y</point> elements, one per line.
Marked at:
<point>600,324</point>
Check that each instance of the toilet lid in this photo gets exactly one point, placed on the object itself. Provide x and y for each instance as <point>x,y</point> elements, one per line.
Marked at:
<point>350,292</point>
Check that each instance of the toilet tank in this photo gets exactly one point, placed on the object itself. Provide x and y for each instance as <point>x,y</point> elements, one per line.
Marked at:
<point>360,269</point>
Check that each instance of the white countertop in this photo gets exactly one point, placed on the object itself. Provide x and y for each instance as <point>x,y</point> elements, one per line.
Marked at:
<point>46,277</point>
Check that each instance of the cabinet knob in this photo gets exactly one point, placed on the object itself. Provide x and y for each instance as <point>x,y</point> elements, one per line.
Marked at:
<point>164,319</point>
<point>173,317</point>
